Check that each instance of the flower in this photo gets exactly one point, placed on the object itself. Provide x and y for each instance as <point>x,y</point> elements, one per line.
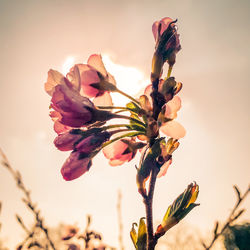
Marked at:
<point>95,80</point>
<point>179,209</point>
<point>122,151</point>
<point>75,110</point>
<point>76,165</point>
<point>85,144</point>
<point>68,140</point>
<point>167,39</point>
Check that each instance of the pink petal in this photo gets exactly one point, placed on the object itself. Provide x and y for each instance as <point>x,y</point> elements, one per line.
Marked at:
<point>88,77</point>
<point>172,107</point>
<point>74,77</point>
<point>173,129</point>
<point>103,100</point>
<point>164,168</point>
<point>111,79</point>
<point>96,62</point>
<point>55,78</point>
<point>115,150</point>
<point>155,28</point>
<point>74,167</point>
<point>60,128</point>
<point>165,23</point>
<point>67,141</point>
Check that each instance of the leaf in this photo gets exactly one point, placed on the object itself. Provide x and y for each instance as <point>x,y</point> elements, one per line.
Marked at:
<point>133,234</point>
<point>142,235</point>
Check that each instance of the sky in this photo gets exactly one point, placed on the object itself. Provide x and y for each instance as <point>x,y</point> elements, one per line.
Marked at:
<point>213,66</point>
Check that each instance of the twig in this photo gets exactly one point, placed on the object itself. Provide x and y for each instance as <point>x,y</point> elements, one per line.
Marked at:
<point>27,200</point>
<point>151,241</point>
<point>120,220</point>
<point>232,217</point>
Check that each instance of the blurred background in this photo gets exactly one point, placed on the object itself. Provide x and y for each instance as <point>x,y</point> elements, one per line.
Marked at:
<point>213,66</point>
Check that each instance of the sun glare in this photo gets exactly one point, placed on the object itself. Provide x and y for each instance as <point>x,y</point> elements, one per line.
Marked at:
<point>129,79</point>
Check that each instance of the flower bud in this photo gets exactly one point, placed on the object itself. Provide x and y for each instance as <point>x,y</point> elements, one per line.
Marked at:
<point>179,209</point>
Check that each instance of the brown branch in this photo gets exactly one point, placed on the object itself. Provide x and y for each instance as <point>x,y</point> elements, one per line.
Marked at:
<point>151,241</point>
<point>232,217</point>
<point>27,200</point>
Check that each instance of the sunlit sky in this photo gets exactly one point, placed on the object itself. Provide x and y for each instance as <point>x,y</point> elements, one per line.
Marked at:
<point>213,66</point>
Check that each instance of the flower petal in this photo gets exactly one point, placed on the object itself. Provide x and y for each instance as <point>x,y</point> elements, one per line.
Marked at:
<point>164,168</point>
<point>96,62</point>
<point>173,129</point>
<point>172,107</point>
<point>67,141</point>
<point>55,78</point>
<point>75,166</point>
<point>103,100</point>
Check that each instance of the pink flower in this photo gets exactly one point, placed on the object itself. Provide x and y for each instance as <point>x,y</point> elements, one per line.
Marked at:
<point>85,144</point>
<point>95,80</point>
<point>92,142</point>
<point>121,151</point>
<point>74,110</point>
<point>76,165</point>
<point>68,140</point>
<point>167,39</point>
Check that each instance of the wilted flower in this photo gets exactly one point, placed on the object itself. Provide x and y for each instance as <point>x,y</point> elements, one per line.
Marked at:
<point>179,209</point>
<point>167,39</point>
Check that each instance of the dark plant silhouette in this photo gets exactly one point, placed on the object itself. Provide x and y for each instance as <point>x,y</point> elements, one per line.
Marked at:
<point>219,230</point>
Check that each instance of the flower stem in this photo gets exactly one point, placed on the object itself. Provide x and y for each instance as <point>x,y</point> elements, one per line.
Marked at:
<point>122,136</point>
<point>131,119</point>
<point>111,107</point>
<point>128,96</point>
<point>169,71</point>
<point>151,241</point>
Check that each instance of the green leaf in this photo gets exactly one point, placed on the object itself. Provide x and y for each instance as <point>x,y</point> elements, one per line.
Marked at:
<point>133,107</point>
<point>142,235</point>
<point>133,235</point>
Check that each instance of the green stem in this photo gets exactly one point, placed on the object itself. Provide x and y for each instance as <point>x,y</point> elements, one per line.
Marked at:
<point>111,107</point>
<point>131,119</point>
<point>169,71</point>
<point>122,136</point>
<point>128,96</point>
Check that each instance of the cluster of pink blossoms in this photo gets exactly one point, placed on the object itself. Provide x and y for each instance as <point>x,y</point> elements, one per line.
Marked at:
<point>82,108</point>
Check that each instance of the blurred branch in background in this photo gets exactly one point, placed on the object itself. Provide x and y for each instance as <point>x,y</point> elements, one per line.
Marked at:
<point>39,237</point>
<point>33,208</point>
<point>234,215</point>
<point>120,224</point>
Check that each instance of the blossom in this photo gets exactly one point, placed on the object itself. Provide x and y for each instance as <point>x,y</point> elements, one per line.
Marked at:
<point>167,39</point>
<point>122,151</point>
<point>95,80</point>
<point>67,141</point>
<point>75,110</point>
<point>76,165</point>
<point>84,146</point>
